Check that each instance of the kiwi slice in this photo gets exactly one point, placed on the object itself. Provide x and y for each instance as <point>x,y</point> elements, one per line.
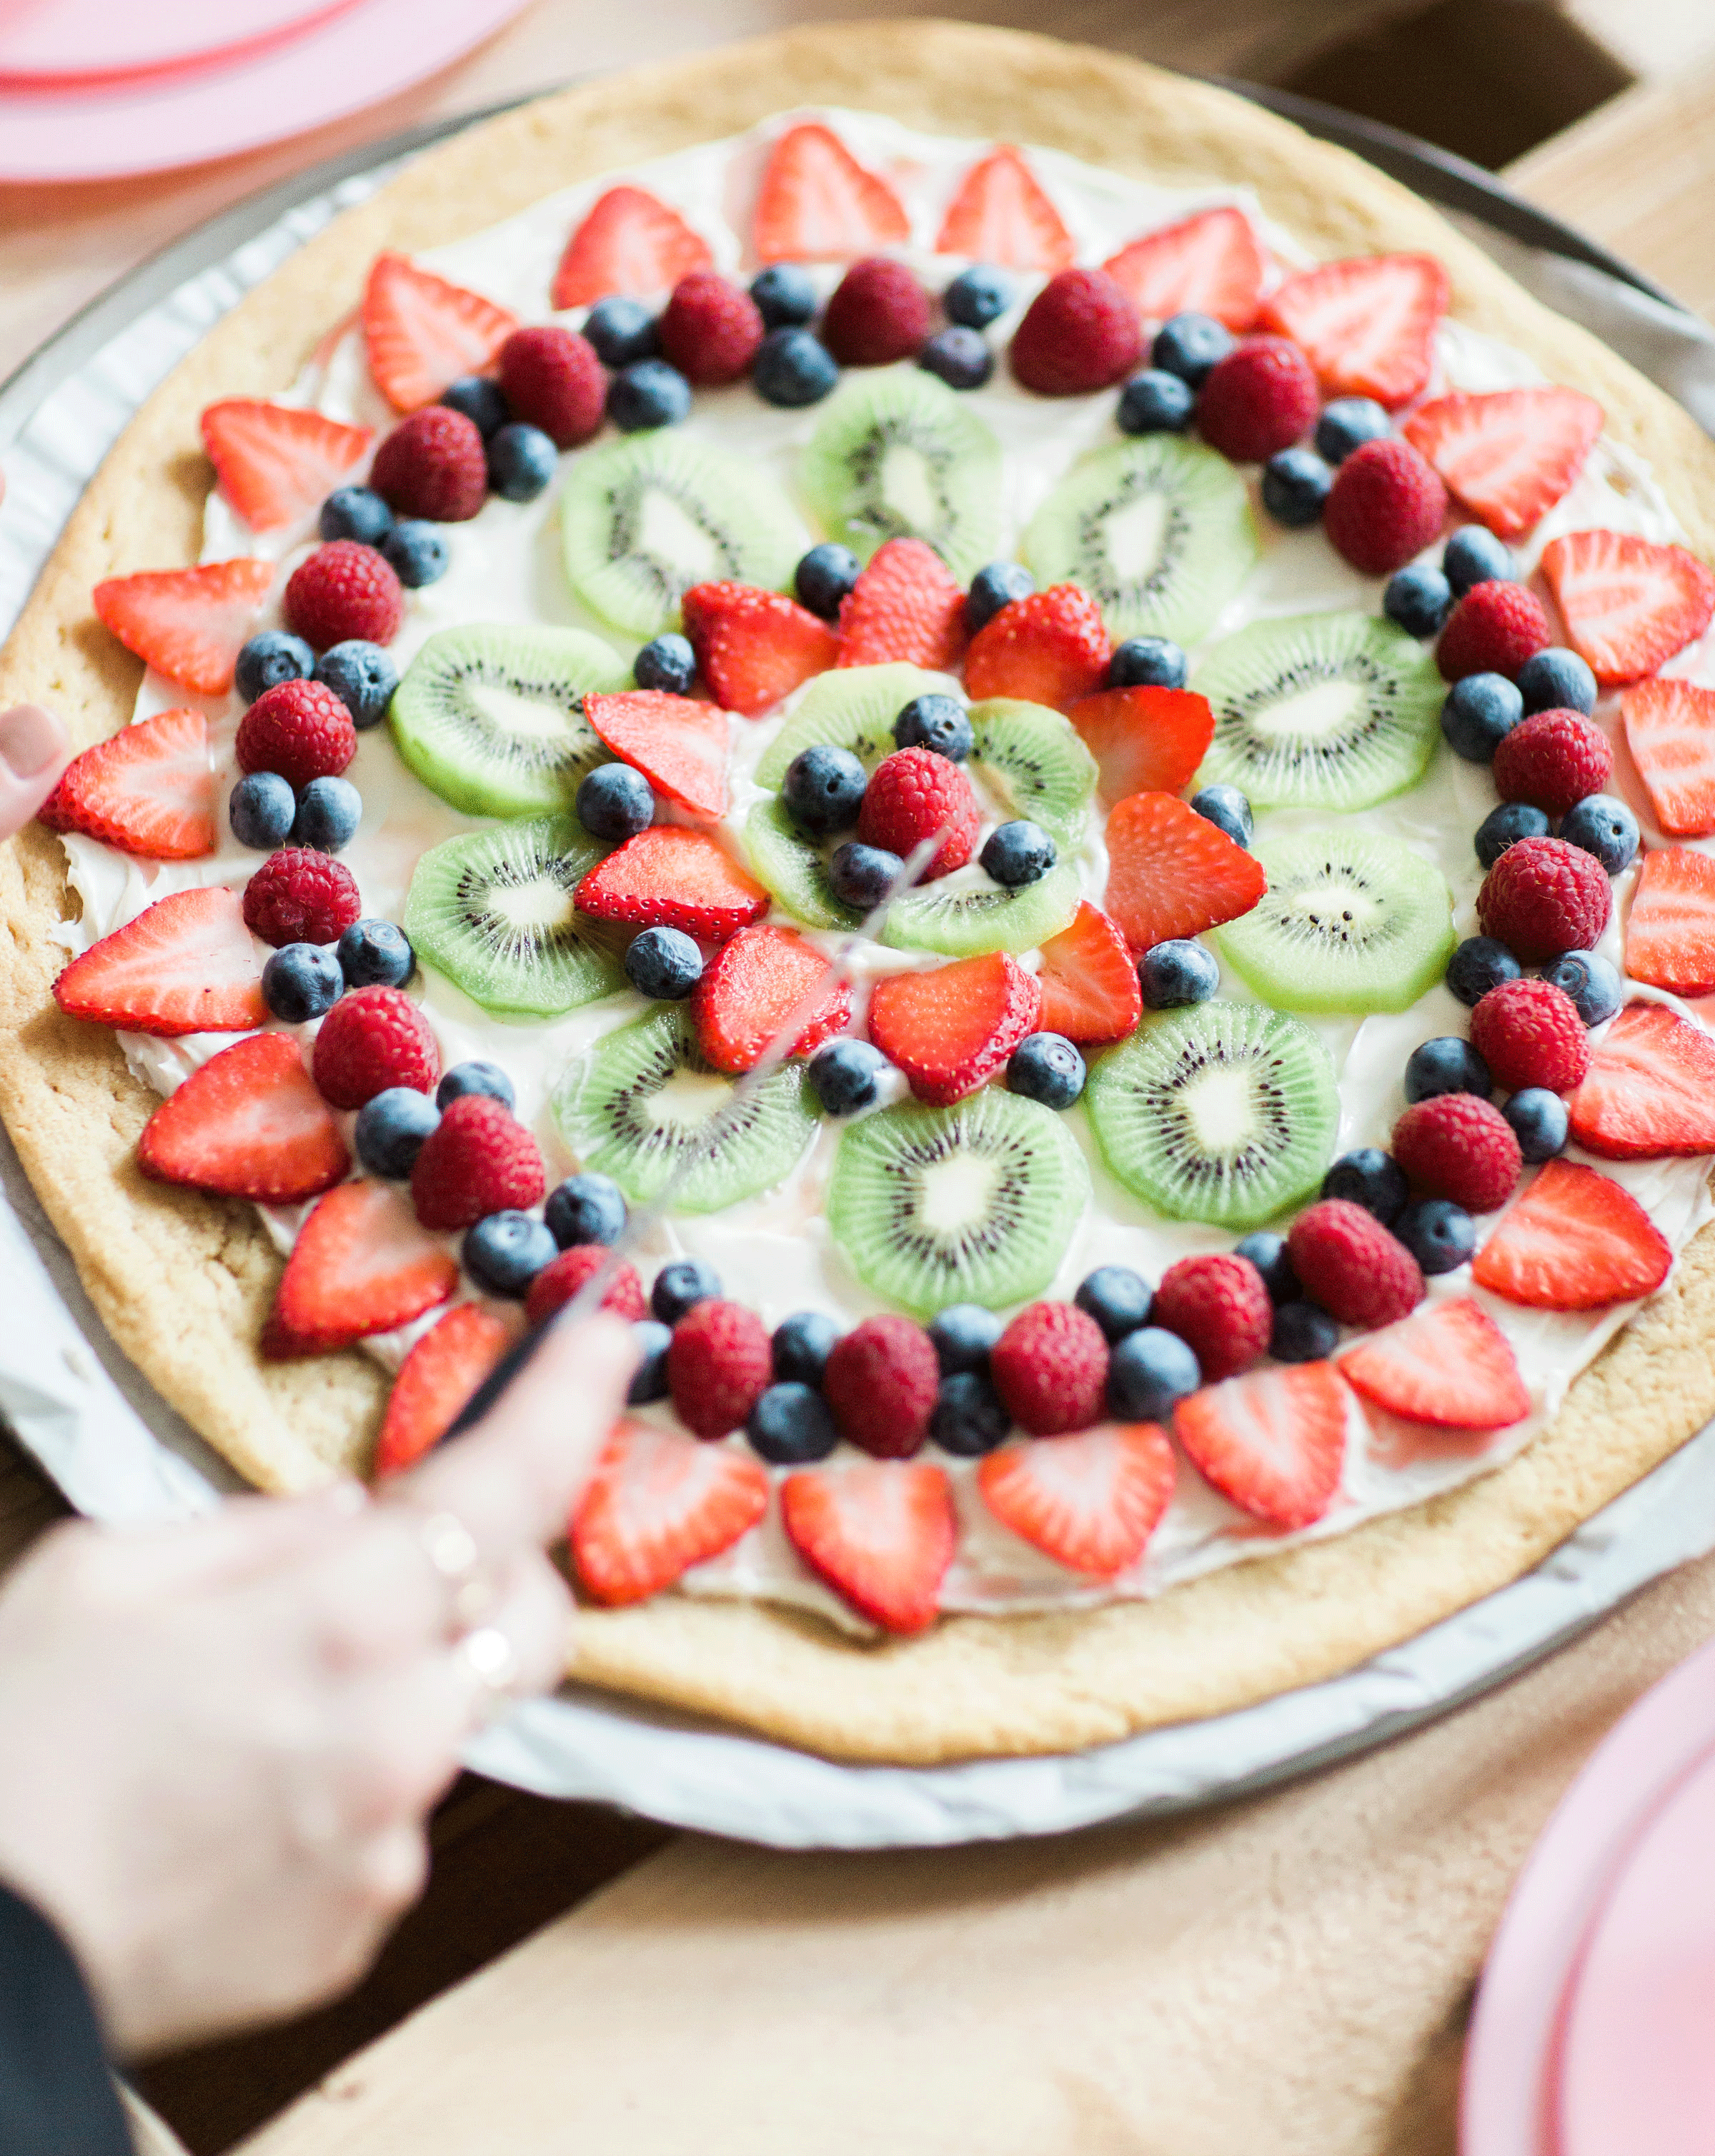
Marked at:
<point>493,910</point>
<point>899,455</point>
<point>1321,710</point>
<point>794,871</point>
<point>642,1098</point>
<point>1226,1112</point>
<point>975,1203</point>
<point>1351,921</point>
<point>1033,759</point>
<point>1159,531</point>
<point>851,707</point>
<point>964,914</point>
<point>491,716</point>
<point>644,519</point>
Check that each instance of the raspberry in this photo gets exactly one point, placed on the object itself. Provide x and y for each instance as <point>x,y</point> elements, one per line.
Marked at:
<point>371,1039</point>
<point>299,895</point>
<point>343,591</point>
<point>1551,760</point>
<point>881,1381</point>
<point>1544,896</point>
<point>1529,1034</point>
<point>1259,399</point>
<point>301,730</point>
<point>433,464</point>
<point>476,1160</point>
<point>1494,628</point>
<point>1051,1368</point>
<point>1387,503</point>
<point>1080,333</point>
<point>552,378</point>
<point>1219,1304</point>
<point>709,329</point>
<point>879,312</point>
<point>913,795</point>
<point>719,1365</point>
<point>562,1277</point>
<point>1457,1145</point>
<point>1348,1263</point>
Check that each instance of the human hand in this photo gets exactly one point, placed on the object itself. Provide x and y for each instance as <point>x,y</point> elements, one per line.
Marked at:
<point>33,754</point>
<point>218,1741</point>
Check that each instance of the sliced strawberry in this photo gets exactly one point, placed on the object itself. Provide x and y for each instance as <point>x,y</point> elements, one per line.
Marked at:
<point>421,333</point>
<point>361,1265</point>
<point>1575,1241</point>
<point>1144,741</point>
<point>1448,1364</point>
<point>1209,263</point>
<point>949,1030</point>
<point>1001,214</point>
<point>1628,604</point>
<point>630,244</point>
<point>187,964</point>
<point>277,462</point>
<point>1089,979</point>
<point>1366,326</point>
<point>678,744</point>
<point>189,625</point>
<point>1669,931</point>
<point>1670,729</point>
<point>753,646</point>
<point>881,1533</point>
<point>1090,1501</point>
<point>668,877</point>
<point>751,986</point>
<point>148,789</point>
<point>907,605</point>
<point>1052,647</point>
<point>1171,872</point>
<point>1508,456</point>
<point>248,1123</point>
<point>1273,1442</point>
<point>435,1381</point>
<point>658,1503</point>
<point>816,204</point>
<point>1650,1090</point>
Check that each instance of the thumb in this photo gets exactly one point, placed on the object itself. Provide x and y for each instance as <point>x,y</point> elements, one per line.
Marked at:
<point>33,752</point>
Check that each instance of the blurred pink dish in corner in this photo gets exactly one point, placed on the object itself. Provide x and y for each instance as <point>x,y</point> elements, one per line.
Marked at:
<point>52,43</point>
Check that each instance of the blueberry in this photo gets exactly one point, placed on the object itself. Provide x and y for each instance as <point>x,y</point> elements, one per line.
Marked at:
<point>1155,402</point>
<point>1018,853</point>
<point>1539,1122</point>
<point>791,368</point>
<point>1147,1373</point>
<point>963,1334</point>
<point>391,1128</point>
<point>1480,712</point>
<point>1504,827</point>
<point>648,1381</point>
<point>1447,1065</point>
<point>355,512</point>
<point>940,723</point>
<point>1295,485</point>
<point>1556,681</point>
<point>664,962</point>
<point>823,788</point>
<point>1347,424</point>
<point>1117,1298</point>
<point>1146,662</point>
<point>621,330</point>
<point>978,295</point>
<point>521,461</point>
<point>1227,809</point>
<point>1189,345</point>
<point>791,1424</point>
<point>801,1345</point>
<point>824,577</point>
<point>1605,827</point>
<point>994,588</point>
<point>362,676</point>
<point>1592,983</point>
<point>1178,971</point>
<point>1439,1234</point>
<point>1479,965</point>
<point>376,954</point>
<point>1267,1252</point>
<point>648,394</point>
<point>1418,600</point>
<point>1371,1178</point>
<point>585,1208</point>
<point>482,401</point>
<point>843,1075</point>
<point>301,981</point>
<point>666,663</point>
<point>1302,1333</point>
<point>862,875</point>
<point>475,1075</point>
<point>418,553</point>
<point>1474,556</point>
<point>785,296</point>
<point>269,659</point>
<point>329,812</point>
<point>615,802</point>
<point>260,809</point>
<point>967,1418</point>
<point>680,1287</point>
<point>505,1251</point>
<point>960,357</point>
<point>1046,1067</point>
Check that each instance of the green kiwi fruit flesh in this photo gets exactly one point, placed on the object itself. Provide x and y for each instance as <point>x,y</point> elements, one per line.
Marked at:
<point>967,913</point>
<point>793,869</point>
<point>851,707</point>
<point>1032,758</point>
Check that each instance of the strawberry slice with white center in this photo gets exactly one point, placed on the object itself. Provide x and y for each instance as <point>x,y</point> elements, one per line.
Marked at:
<point>1089,979</point>
<point>658,1503</point>
<point>1000,215</point>
<point>189,625</point>
<point>1508,455</point>
<point>277,462</point>
<point>949,1030</point>
<point>668,877</point>
<point>1669,931</point>
<point>1649,1091</point>
<point>678,744</point>
<point>881,1533</point>
<point>1628,604</point>
<point>1448,1364</point>
<point>751,988</point>
<point>1670,729</point>
<point>1575,1241</point>
<point>1171,872</point>
<point>248,1123</point>
<point>1144,741</point>
<point>1090,1501</point>
<point>1273,1442</point>
<point>1366,325</point>
<point>816,204</point>
<point>436,1381</point>
<point>630,244</point>
<point>187,964</point>
<point>148,789</point>
<point>360,1264</point>
<point>1210,263</point>
<point>421,333</point>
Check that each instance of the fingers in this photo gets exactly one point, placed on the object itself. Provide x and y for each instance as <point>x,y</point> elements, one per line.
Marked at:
<point>33,752</point>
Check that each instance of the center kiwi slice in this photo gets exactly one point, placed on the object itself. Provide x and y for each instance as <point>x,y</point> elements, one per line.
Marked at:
<point>1226,1112</point>
<point>1159,531</point>
<point>1321,710</point>
<point>641,1099</point>
<point>851,707</point>
<point>1034,759</point>
<point>975,1203</point>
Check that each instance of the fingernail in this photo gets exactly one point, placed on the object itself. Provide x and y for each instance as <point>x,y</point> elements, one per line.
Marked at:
<point>30,740</point>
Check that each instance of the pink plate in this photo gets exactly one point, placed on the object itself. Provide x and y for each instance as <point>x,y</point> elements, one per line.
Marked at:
<point>52,42</point>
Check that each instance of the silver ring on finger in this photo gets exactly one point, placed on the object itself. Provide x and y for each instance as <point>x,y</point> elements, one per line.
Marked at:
<point>453,1555</point>
<point>488,1662</point>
